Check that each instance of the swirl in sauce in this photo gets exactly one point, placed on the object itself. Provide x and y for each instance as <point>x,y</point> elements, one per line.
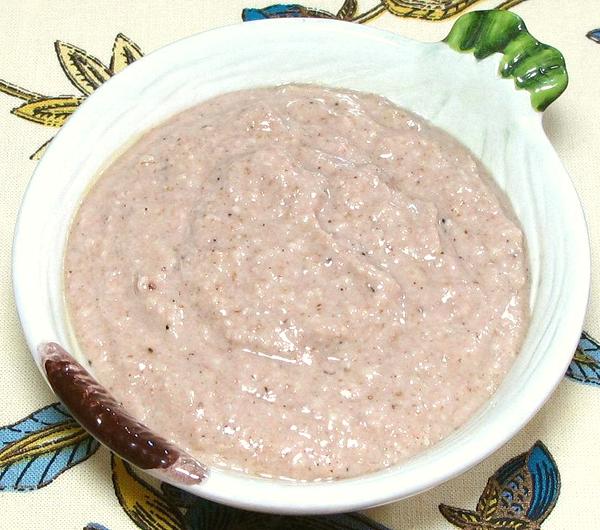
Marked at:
<point>298,281</point>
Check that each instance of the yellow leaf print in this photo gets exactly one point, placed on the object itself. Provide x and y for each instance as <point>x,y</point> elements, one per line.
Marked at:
<point>40,447</point>
<point>465,519</point>
<point>582,358</point>
<point>83,70</point>
<point>18,92</point>
<point>488,502</point>
<point>422,9</point>
<point>427,9</point>
<point>144,505</point>
<point>124,52</point>
<point>513,524</point>
<point>348,10</point>
<point>509,3</point>
<point>46,441</point>
<point>53,112</point>
<point>39,152</point>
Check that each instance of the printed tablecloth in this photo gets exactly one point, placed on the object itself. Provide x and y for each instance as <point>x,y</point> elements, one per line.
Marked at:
<point>53,475</point>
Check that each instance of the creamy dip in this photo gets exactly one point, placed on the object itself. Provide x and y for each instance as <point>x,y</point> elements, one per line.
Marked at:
<point>298,281</point>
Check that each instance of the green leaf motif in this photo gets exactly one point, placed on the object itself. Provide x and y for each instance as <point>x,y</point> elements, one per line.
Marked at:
<point>534,66</point>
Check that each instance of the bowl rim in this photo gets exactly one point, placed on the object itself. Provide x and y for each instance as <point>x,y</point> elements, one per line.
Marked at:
<point>364,491</point>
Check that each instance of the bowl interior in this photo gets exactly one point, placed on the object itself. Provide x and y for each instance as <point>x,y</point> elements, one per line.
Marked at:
<point>454,91</point>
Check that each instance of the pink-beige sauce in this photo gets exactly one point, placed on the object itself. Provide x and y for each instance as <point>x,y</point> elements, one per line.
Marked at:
<point>298,281</point>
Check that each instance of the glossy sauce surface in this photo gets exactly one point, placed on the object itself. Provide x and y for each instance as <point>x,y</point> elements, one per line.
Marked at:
<point>298,281</point>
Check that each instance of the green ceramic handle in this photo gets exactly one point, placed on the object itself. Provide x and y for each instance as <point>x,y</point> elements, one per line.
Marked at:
<point>534,66</point>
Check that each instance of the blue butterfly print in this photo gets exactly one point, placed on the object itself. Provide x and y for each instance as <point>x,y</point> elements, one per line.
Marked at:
<point>594,35</point>
<point>585,366</point>
<point>519,496</point>
<point>284,11</point>
<point>35,450</point>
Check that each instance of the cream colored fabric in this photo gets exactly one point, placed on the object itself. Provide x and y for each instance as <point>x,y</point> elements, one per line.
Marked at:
<point>568,424</point>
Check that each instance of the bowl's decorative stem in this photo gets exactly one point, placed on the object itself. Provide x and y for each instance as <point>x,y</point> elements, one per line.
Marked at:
<point>534,66</point>
<point>105,419</point>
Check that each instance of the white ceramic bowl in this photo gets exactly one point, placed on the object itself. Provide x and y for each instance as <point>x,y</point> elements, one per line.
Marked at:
<point>455,91</point>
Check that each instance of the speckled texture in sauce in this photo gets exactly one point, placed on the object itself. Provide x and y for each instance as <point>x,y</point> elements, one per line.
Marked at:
<point>298,282</point>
